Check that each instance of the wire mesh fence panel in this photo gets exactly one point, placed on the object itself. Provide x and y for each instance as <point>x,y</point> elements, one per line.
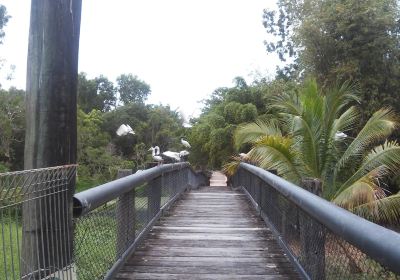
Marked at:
<point>321,253</point>
<point>36,223</point>
<point>103,235</point>
<point>95,242</point>
<point>141,208</point>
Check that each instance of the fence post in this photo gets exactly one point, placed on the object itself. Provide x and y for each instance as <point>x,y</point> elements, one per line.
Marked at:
<point>267,197</point>
<point>154,197</point>
<point>312,236</point>
<point>125,213</point>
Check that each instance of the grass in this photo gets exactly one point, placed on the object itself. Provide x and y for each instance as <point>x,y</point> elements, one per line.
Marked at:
<point>95,237</point>
<point>10,240</point>
<point>86,183</point>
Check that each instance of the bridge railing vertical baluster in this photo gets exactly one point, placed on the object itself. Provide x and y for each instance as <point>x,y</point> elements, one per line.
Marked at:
<point>312,237</point>
<point>125,214</point>
<point>154,197</point>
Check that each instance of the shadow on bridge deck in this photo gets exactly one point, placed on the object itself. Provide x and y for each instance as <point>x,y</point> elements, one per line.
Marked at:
<point>211,233</point>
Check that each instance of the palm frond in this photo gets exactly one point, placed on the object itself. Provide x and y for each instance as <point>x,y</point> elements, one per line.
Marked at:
<point>276,152</point>
<point>348,120</point>
<point>251,132</point>
<point>382,123</point>
<point>365,190</point>
<point>333,147</point>
<point>386,156</point>
<point>307,141</point>
<point>383,211</point>
<point>338,98</point>
<point>231,167</point>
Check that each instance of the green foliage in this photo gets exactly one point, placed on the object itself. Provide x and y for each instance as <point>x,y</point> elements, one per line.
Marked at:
<point>211,135</point>
<point>98,94</point>
<point>248,113</point>
<point>153,125</point>
<point>12,128</point>
<point>3,21</point>
<point>308,142</point>
<point>232,112</point>
<point>132,89</point>
<point>341,40</point>
<point>96,162</point>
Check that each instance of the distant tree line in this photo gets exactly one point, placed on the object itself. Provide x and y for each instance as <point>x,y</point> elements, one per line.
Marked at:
<point>102,108</point>
<point>329,40</point>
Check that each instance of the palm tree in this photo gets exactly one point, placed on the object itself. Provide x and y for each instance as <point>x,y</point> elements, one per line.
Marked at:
<point>307,138</point>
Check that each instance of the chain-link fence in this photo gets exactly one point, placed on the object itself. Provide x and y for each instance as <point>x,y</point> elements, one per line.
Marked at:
<point>322,240</point>
<point>108,231</point>
<point>36,223</point>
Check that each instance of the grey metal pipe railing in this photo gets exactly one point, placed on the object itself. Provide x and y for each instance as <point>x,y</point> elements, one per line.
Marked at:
<point>377,242</point>
<point>120,213</point>
<point>90,199</point>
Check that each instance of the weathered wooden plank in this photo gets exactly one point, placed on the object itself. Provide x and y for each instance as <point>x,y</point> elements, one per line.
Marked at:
<point>205,229</point>
<point>164,276</point>
<point>240,259</point>
<point>257,270</point>
<point>255,264</point>
<point>193,236</point>
<point>207,243</point>
<point>212,233</point>
<point>216,225</point>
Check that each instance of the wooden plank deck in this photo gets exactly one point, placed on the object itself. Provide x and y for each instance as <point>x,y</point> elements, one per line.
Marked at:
<point>212,233</point>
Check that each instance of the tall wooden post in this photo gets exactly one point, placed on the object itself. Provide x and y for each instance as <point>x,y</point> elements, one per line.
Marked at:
<point>51,94</point>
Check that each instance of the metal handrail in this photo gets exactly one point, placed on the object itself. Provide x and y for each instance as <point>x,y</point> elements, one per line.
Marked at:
<point>378,242</point>
<point>90,199</point>
<point>136,203</point>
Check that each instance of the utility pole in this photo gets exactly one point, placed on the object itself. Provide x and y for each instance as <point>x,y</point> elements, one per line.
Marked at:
<point>51,132</point>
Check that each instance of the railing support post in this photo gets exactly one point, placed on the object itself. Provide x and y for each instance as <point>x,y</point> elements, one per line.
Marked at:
<point>125,217</point>
<point>312,236</point>
<point>154,197</point>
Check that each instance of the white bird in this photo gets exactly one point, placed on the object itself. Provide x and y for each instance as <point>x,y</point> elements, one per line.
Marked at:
<point>243,155</point>
<point>125,129</point>
<point>183,153</point>
<point>185,143</point>
<point>172,155</point>
<point>339,135</point>
<point>156,157</point>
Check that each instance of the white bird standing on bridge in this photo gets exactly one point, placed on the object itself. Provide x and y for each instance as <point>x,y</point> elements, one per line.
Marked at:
<point>125,129</point>
<point>154,154</point>
<point>185,143</point>
<point>183,155</point>
<point>172,155</point>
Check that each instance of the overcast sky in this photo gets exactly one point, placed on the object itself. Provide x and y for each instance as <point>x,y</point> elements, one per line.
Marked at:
<point>183,49</point>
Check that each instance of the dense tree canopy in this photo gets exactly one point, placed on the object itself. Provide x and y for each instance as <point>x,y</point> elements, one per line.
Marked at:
<point>224,110</point>
<point>131,89</point>
<point>307,139</point>
<point>98,93</point>
<point>12,128</point>
<point>341,40</point>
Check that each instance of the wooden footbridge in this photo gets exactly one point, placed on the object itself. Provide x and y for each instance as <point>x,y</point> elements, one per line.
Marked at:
<point>211,233</point>
<point>171,222</point>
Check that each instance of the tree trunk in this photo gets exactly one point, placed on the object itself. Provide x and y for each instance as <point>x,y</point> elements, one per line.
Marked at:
<point>51,131</point>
